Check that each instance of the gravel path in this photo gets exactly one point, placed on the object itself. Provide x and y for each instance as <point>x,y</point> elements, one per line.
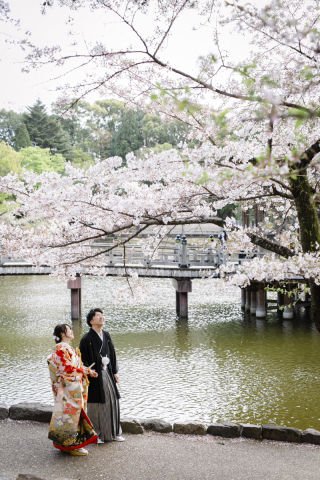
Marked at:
<point>25,448</point>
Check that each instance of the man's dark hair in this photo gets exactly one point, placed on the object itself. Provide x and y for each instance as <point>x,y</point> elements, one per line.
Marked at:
<point>91,314</point>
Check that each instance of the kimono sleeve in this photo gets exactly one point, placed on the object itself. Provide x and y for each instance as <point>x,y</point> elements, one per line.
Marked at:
<point>84,352</point>
<point>65,369</point>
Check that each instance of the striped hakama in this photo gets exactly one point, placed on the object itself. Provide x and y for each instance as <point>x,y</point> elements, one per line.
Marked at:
<point>105,417</point>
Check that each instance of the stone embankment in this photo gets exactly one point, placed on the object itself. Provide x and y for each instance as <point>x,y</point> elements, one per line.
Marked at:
<point>42,413</point>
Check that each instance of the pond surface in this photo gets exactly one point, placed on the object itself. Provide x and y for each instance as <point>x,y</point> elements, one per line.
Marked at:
<point>221,364</point>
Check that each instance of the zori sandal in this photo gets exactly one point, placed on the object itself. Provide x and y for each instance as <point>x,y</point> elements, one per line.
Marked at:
<point>79,451</point>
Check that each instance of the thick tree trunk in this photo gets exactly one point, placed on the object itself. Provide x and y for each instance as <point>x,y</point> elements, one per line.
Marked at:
<point>309,232</point>
<point>315,303</point>
<point>307,213</point>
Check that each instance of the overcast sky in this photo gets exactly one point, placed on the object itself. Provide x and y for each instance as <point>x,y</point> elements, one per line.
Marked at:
<point>19,90</point>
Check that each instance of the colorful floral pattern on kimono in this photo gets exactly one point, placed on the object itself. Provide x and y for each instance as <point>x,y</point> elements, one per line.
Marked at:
<point>70,427</point>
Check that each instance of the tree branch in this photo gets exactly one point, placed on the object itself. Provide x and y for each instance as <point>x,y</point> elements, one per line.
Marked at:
<point>270,245</point>
<point>307,156</point>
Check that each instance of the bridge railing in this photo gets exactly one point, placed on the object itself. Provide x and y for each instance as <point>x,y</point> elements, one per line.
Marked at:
<point>236,257</point>
<point>176,255</point>
<point>179,255</point>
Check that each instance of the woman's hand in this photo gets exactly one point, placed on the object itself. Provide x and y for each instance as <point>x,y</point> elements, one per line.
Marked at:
<point>87,371</point>
<point>116,378</point>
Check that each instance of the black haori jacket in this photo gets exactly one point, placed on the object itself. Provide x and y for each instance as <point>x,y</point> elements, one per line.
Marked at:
<point>90,347</point>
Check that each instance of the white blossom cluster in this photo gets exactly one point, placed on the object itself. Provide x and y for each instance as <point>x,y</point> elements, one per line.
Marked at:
<point>254,133</point>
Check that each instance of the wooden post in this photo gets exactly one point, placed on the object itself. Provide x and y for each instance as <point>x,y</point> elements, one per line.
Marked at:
<point>261,302</point>
<point>280,300</point>
<point>248,299</point>
<point>246,218</point>
<point>258,215</point>
<point>182,288</point>
<point>184,253</point>
<point>253,305</point>
<point>176,249</point>
<point>243,297</point>
<point>307,298</point>
<point>75,287</point>
<point>289,311</point>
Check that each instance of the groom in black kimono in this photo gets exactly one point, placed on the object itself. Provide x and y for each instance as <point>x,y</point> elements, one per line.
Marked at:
<point>103,396</point>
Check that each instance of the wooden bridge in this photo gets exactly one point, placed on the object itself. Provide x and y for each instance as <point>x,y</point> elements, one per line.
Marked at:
<point>189,261</point>
<point>179,261</point>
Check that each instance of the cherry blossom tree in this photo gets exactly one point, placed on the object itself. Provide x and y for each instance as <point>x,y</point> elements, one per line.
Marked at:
<point>254,124</point>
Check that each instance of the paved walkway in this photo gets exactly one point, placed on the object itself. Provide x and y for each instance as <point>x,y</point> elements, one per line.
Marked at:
<point>25,448</point>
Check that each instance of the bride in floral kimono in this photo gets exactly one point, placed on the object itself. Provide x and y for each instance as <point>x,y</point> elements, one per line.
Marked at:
<point>70,428</point>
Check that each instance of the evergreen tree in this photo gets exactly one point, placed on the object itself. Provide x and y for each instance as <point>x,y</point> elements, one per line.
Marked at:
<point>22,138</point>
<point>129,138</point>
<point>45,130</point>
<point>10,123</point>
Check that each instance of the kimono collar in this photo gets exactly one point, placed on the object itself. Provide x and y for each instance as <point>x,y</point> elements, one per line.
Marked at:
<point>64,343</point>
<point>100,336</point>
<point>99,339</point>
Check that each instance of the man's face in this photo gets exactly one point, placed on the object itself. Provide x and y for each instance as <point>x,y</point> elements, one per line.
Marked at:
<point>98,320</point>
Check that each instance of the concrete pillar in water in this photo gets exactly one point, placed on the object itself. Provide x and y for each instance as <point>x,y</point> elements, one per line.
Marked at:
<point>243,297</point>
<point>289,311</point>
<point>253,306</point>
<point>177,303</point>
<point>248,299</point>
<point>75,287</point>
<point>261,302</point>
<point>182,288</point>
<point>183,304</point>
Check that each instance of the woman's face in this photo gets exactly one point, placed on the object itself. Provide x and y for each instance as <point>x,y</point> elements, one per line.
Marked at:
<point>69,333</point>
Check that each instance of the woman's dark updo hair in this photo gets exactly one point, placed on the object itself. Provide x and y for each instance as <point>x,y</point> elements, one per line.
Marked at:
<point>59,329</point>
<point>91,314</point>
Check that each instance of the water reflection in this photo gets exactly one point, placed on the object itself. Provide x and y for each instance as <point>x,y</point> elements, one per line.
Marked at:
<point>221,364</point>
<point>182,337</point>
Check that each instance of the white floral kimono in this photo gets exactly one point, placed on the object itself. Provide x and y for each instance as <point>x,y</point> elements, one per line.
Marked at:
<point>70,428</point>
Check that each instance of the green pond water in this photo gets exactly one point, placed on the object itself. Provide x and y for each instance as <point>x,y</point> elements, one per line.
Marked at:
<point>221,364</point>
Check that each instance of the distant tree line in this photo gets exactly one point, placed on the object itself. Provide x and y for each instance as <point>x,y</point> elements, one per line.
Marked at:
<point>92,132</point>
<point>40,141</point>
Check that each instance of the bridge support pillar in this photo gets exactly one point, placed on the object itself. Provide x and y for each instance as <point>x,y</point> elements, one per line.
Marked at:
<point>177,303</point>
<point>243,297</point>
<point>289,311</point>
<point>183,304</point>
<point>261,302</point>
<point>75,287</point>
<point>248,299</point>
<point>253,306</point>
<point>280,300</point>
<point>307,298</point>
<point>182,287</point>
